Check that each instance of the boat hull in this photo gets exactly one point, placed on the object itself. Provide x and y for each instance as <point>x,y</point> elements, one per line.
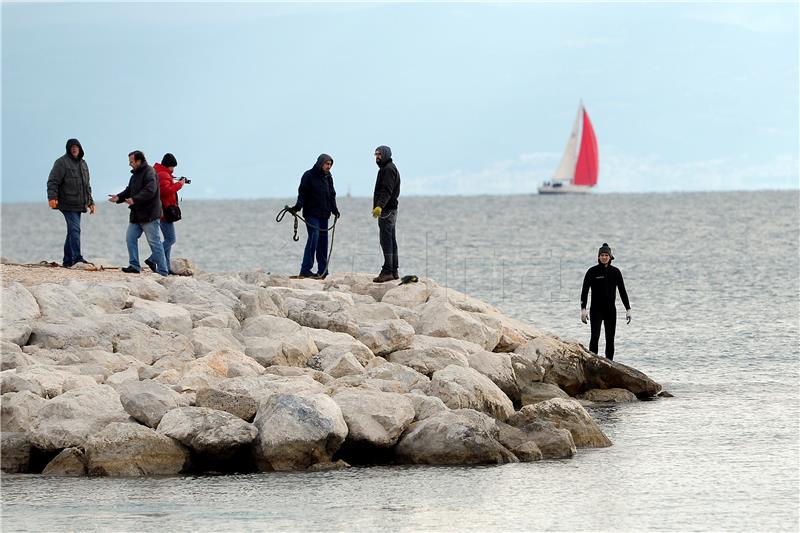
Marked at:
<point>564,189</point>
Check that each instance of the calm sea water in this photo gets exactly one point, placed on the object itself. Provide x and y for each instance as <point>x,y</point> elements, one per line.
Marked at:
<point>714,282</point>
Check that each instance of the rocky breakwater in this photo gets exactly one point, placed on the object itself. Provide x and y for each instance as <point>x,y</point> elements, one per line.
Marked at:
<point>130,375</point>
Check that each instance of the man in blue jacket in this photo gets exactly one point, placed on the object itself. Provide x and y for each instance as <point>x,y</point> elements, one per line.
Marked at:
<point>317,198</point>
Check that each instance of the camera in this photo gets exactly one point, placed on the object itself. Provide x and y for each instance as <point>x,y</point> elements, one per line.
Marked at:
<point>186,180</point>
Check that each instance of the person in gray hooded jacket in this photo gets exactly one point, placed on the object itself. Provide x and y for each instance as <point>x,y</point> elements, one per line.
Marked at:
<point>69,191</point>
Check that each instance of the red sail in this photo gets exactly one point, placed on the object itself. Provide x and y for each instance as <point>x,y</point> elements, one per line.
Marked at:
<point>587,165</point>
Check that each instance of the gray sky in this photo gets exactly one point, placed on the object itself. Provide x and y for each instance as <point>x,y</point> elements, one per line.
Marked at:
<point>473,98</point>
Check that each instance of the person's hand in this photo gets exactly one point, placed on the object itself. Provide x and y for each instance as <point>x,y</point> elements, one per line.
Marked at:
<point>376,212</point>
<point>113,198</point>
<point>294,209</point>
<point>53,203</point>
<point>628,316</point>
<point>336,214</point>
<point>584,316</point>
<point>129,201</point>
<point>92,209</point>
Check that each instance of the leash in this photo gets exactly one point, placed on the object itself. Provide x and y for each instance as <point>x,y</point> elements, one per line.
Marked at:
<point>295,238</point>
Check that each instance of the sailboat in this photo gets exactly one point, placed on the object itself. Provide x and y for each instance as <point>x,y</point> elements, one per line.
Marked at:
<point>577,172</point>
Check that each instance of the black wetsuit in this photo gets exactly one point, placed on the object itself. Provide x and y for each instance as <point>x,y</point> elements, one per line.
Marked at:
<point>604,282</point>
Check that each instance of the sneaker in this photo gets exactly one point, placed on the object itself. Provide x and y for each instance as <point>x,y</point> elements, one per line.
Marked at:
<point>304,275</point>
<point>129,270</point>
<point>383,278</point>
<point>152,265</point>
<point>395,275</point>
<point>320,276</point>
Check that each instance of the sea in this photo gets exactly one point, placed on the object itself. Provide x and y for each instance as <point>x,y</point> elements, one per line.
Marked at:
<point>714,285</point>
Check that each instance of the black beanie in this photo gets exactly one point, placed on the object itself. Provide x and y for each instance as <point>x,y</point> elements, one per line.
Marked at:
<point>169,160</point>
<point>605,249</point>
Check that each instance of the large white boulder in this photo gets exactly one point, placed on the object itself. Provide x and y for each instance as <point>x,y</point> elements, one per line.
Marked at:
<point>386,336</point>
<point>460,437</point>
<point>297,431</point>
<point>374,418</point>
<point>207,431</point>
<point>440,319</point>
<point>69,419</point>
<point>160,315</point>
<point>564,413</point>
<point>460,387</point>
<point>131,450</point>
<point>148,401</point>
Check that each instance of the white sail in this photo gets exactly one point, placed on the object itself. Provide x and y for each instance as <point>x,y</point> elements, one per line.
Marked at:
<point>566,169</point>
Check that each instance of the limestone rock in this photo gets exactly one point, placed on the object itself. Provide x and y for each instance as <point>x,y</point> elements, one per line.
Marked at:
<point>18,303</point>
<point>132,450</point>
<point>235,403</point>
<point>386,336</point>
<point>460,437</point>
<point>69,462</point>
<point>460,387</point>
<point>440,319</point>
<point>148,401</point>
<point>17,410</point>
<point>161,315</point>
<point>298,431</point>
<point>207,430</point>
<point>607,396</point>
<point>604,374</point>
<point>69,419</point>
<point>567,414</point>
<point>425,406</point>
<point>15,452</point>
<point>374,418</point>
<point>206,340</point>
<point>429,360</point>
<point>498,368</point>
<point>539,392</point>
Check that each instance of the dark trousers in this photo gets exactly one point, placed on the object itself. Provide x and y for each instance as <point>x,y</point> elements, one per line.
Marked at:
<point>609,318</point>
<point>72,244</point>
<point>316,245</point>
<point>387,223</point>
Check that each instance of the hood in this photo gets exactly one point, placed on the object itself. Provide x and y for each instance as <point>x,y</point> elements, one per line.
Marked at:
<point>386,154</point>
<point>158,167</point>
<point>70,142</point>
<point>321,161</point>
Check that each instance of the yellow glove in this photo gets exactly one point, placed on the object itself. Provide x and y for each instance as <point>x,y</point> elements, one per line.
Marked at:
<point>53,203</point>
<point>376,212</point>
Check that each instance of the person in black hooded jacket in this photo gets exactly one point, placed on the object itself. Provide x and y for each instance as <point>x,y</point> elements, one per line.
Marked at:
<point>69,191</point>
<point>317,198</point>
<point>384,208</point>
<point>603,280</point>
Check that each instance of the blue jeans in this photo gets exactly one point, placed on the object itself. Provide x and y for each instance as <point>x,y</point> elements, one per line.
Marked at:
<point>316,244</point>
<point>387,224</point>
<point>150,230</point>
<point>168,230</point>
<point>72,244</point>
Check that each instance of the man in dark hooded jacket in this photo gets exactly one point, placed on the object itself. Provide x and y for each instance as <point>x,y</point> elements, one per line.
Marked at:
<point>384,208</point>
<point>317,198</point>
<point>69,191</point>
<point>144,200</point>
<point>603,280</point>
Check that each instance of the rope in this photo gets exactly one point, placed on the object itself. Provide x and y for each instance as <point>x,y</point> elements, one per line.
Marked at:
<point>295,238</point>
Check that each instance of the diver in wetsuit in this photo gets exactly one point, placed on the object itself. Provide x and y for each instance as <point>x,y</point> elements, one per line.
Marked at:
<point>603,280</point>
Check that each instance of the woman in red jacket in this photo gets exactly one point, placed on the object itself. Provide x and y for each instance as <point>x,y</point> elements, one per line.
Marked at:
<point>169,196</point>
